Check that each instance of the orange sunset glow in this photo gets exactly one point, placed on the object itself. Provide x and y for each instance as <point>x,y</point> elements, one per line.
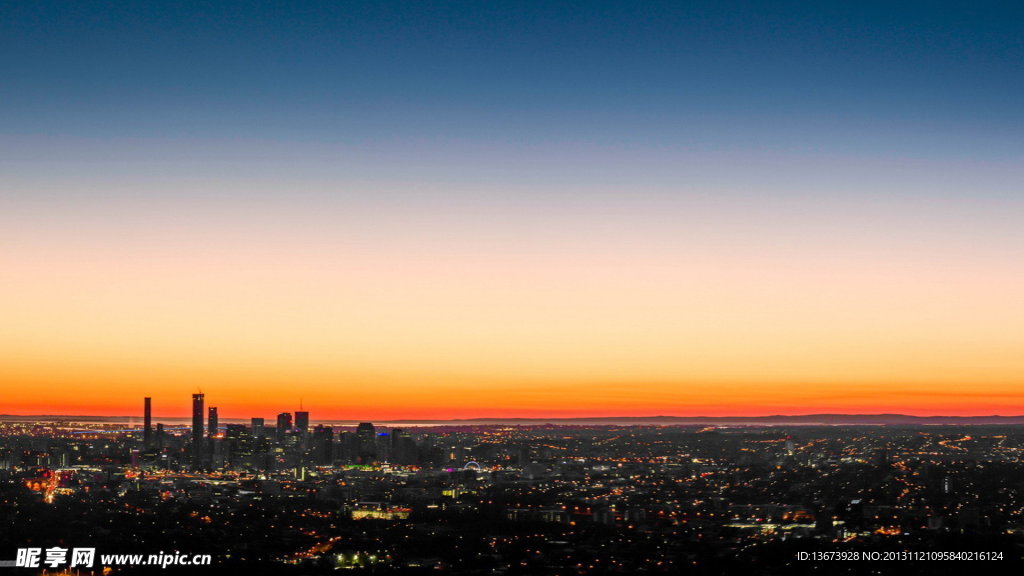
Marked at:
<point>574,313</point>
<point>511,288</point>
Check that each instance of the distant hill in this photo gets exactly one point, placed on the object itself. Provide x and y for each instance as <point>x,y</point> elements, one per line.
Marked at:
<point>778,419</point>
<point>803,419</point>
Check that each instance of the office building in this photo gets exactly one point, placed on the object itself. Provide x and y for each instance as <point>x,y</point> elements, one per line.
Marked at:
<point>214,422</point>
<point>258,427</point>
<point>284,424</point>
<point>147,423</point>
<point>302,422</point>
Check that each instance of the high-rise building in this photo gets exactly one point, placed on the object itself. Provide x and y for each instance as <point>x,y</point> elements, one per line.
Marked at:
<point>403,447</point>
<point>284,424</point>
<point>214,421</point>
<point>197,418</point>
<point>197,430</point>
<point>257,427</point>
<point>323,445</point>
<point>159,435</point>
<point>147,422</point>
<point>366,435</point>
<point>302,422</point>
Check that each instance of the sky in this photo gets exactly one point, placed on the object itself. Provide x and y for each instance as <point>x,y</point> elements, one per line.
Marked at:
<point>493,209</point>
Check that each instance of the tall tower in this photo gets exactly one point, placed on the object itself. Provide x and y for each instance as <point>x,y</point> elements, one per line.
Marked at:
<point>199,442</point>
<point>284,424</point>
<point>147,426</point>
<point>213,421</point>
<point>302,422</point>
<point>197,418</point>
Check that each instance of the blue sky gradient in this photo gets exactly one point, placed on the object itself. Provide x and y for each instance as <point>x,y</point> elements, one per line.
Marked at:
<point>810,201</point>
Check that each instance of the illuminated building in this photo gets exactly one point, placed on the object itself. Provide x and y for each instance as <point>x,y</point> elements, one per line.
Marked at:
<point>379,511</point>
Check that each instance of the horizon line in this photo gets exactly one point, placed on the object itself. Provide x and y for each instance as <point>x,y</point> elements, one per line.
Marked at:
<point>580,418</point>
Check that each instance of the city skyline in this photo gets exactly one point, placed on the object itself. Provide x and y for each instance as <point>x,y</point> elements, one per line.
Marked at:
<point>461,211</point>
<point>558,288</point>
<point>204,420</point>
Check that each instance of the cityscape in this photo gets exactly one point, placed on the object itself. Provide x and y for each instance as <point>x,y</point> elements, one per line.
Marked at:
<point>292,496</point>
<point>511,288</point>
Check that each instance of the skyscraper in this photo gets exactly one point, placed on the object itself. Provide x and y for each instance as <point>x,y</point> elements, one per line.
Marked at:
<point>302,422</point>
<point>366,435</point>
<point>323,445</point>
<point>197,418</point>
<point>147,426</point>
<point>257,427</point>
<point>403,447</point>
<point>213,421</point>
<point>197,430</point>
<point>284,424</point>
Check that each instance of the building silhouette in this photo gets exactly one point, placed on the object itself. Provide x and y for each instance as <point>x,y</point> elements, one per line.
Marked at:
<point>197,416</point>
<point>302,422</point>
<point>147,426</point>
<point>323,445</point>
<point>214,421</point>
<point>258,428</point>
<point>366,436</point>
<point>197,429</point>
<point>284,424</point>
